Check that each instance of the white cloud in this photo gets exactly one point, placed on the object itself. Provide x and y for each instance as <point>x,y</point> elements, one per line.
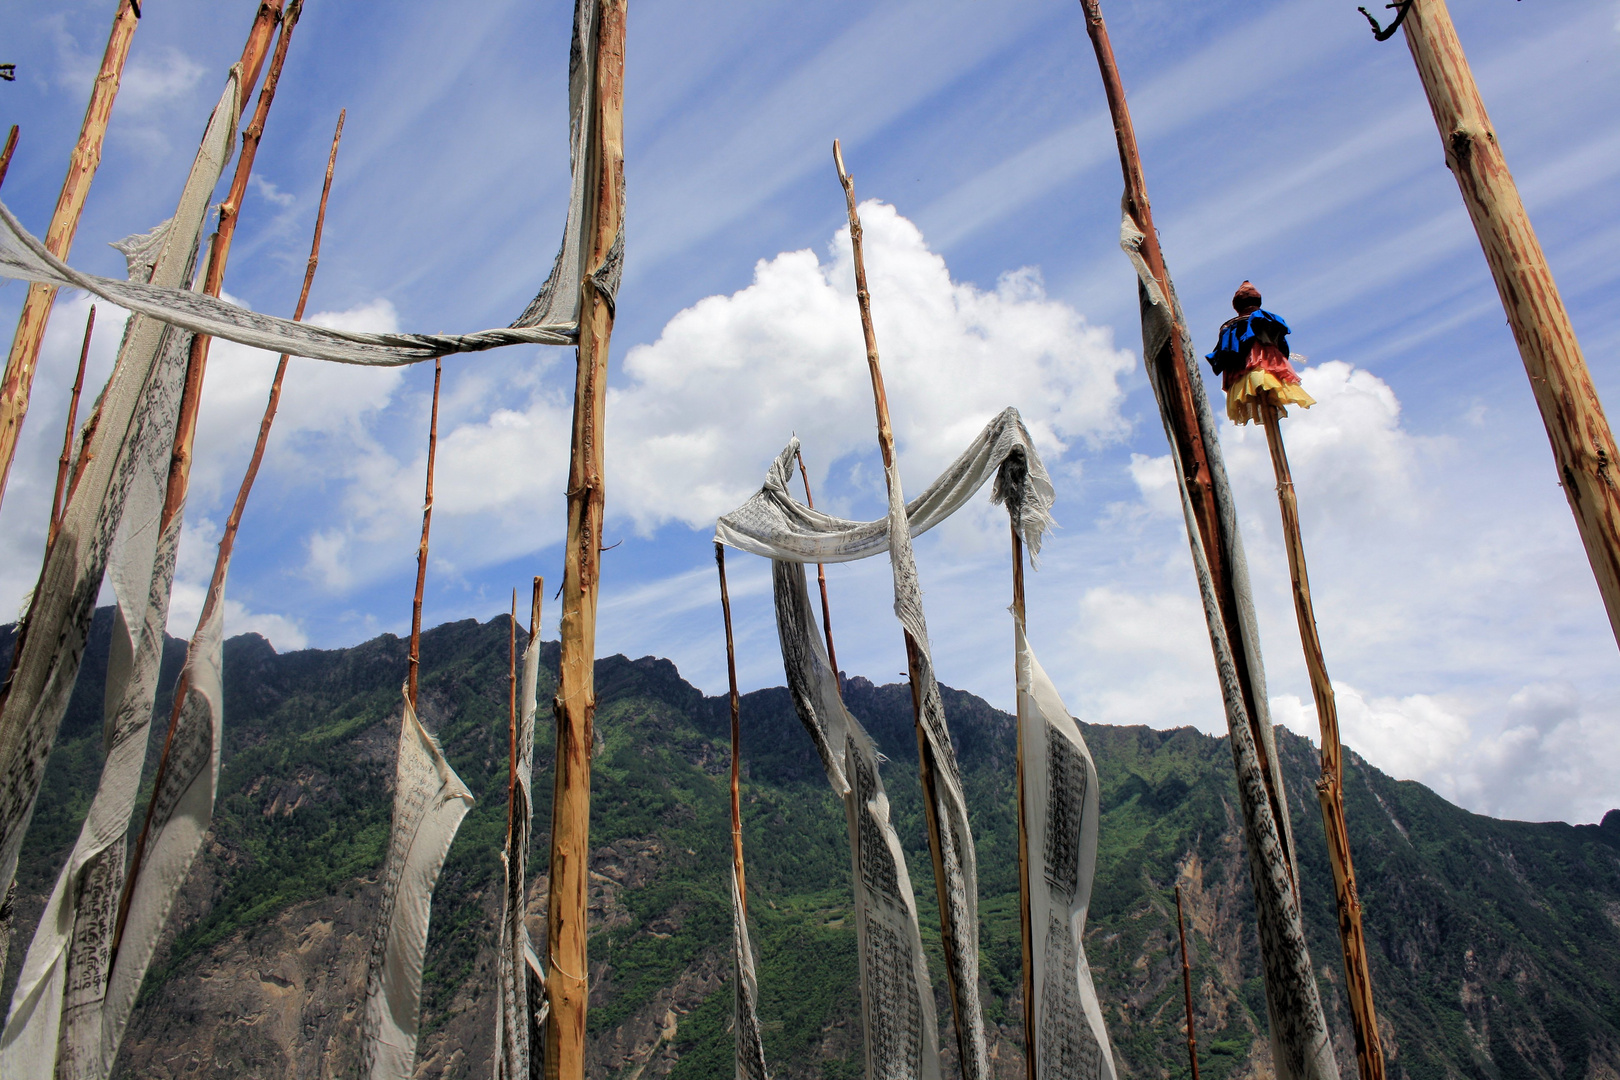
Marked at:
<point>715,397</point>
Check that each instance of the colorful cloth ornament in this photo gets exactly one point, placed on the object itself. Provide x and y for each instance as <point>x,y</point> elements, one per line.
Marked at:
<point>1251,358</point>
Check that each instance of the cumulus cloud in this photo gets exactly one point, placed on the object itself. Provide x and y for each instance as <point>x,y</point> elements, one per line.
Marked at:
<point>716,396</point>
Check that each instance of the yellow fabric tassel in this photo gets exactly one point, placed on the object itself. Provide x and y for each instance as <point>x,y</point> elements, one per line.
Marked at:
<point>1259,387</point>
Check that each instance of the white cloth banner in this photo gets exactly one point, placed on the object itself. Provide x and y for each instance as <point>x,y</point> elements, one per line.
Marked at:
<point>897,1001</point>
<point>745,996</point>
<point>1300,1042</point>
<point>551,318</point>
<point>129,434</point>
<point>182,808</point>
<point>518,1013</point>
<point>429,802</point>
<point>1060,854</point>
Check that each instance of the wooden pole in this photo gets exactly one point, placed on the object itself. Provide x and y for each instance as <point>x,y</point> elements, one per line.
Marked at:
<point>736,737</point>
<point>512,715</point>
<point>1583,446</point>
<point>575,705</point>
<point>66,459</point>
<point>1026,930</point>
<point>227,540</point>
<point>1330,785</point>
<point>5,155</point>
<point>18,380</point>
<point>927,767</point>
<point>1186,986</point>
<point>821,579</point>
<point>1171,366</point>
<point>422,548</point>
<point>229,211</point>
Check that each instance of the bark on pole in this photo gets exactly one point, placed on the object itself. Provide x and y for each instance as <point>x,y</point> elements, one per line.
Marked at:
<point>736,732</point>
<point>185,433</point>
<point>1026,931</point>
<point>422,548</point>
<point>575,704</point>
<point>927,767</point>
<point>1330,785</point>
<point>1186,987</point>
<point>1171,363</point>
<point>63,462</point>
<point>1584,451</point>
<point>5,155</point>
<point>18,380</point>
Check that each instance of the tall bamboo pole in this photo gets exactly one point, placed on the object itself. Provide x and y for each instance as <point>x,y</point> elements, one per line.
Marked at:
<point>927,767</point>
<point>575,703</point>
<point>227,540</point>
<point>1583,446</point>
<point>1171,366</point>
<point>18,380</point>
<point>422,548</point>
<point>1186,986</point>
<point>1330,785</point>
<point>66,459</point>
<point>736,736</point>
<point>185,432</point>
<point>5,155</point>
<point>821,577</point>
<point>1025,930</point>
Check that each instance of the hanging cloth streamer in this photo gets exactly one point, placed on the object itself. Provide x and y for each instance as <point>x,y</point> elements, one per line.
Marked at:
<point>520,1005</point>
<point>551,318</point>
<point>1060,790</point>
<point>745,1003</point>
<point>1300,1042</point>
<point>776,525</point>
<point>429,802</point>
<point>897,1002</point>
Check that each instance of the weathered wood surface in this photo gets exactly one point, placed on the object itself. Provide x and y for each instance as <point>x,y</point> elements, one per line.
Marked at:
<point>575,705</point>
<point>18,380</point>
<point>1583,447</point>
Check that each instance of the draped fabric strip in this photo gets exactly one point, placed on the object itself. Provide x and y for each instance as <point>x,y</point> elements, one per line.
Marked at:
<point>901,1037</point>
<point>897,1001</point>
<point>776,525</point>
<point>182,808</point>
<point>551,318</point>
<point>1299,1036</point>
<point>1060,794</point>
<point>429,802</point>
<point>517,1057</point>
<point>745,1004</point>
<point>56,1010</point>
<point>130,430</point>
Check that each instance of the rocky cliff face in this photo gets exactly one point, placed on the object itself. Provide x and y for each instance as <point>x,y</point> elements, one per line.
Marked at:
<point>1496,944</point>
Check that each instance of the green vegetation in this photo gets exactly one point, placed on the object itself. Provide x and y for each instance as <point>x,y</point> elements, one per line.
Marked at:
<point>1495,943</point>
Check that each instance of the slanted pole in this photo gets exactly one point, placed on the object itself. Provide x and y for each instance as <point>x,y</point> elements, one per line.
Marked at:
<point>18,380</point>
<point>927,767</point>
<point>1026,931</point>
<point>821,578</point>
<point>422,548</point>
<point>575,705</point>
<point>227,540</point>
<point>512,716</point>
<point>1186,986</point>
<point>736,739</point>
<point>66,459</point>
<point>5,155</point>
<point>1583,446</point>
<point>1330,785</point>
<point>185,431</point>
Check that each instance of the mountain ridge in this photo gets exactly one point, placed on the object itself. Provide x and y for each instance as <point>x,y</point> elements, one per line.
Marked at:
<point>1494,943</point>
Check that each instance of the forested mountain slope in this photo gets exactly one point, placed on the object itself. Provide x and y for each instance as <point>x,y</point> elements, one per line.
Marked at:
<point>1496,944</point>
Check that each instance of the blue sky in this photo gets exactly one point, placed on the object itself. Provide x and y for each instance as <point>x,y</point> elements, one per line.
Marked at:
<point>1282,144</point>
